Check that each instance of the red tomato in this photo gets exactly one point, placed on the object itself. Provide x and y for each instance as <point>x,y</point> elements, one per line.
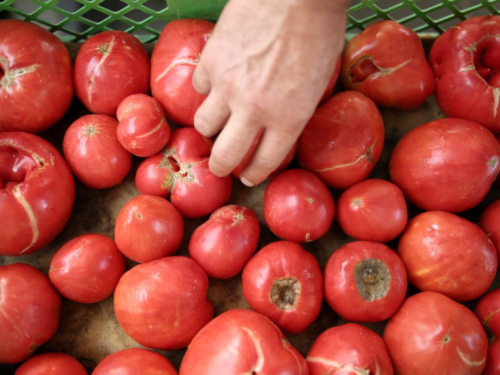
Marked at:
<point>487,311</point>
<point>174,59</point>
<point>432,334</point>
<point>447,165</point>
<point>143,129</point>
<point>37,191</point>
<point>94,153</point>
<point>162,304</point>
<point>447,254</point>
<point>372,210</point>
<point>242,342</point>
<point>51,364</point>
<point>29,311</point>
<point>181,170</point>
<point>333,81</point>
<point>135,361</point>
<point>148,228</point>
<point>365,282</point>
<point>493,360</point>
<point>298,206</point>
<point>465,62</point>
<point>36,83</point>
<point>387,63</point>
<point>343,140</point>
<point>223,244</point>
<point>349,349</point>
<point>283,282</point>
<point>109,67</point>
<point>87,268</point>
<point>490,223</point>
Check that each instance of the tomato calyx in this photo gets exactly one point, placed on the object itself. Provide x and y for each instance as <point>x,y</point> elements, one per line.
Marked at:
<point>365,67</point>
<point>8,76</point>
<point>372,278</point>
<point>284,293</point>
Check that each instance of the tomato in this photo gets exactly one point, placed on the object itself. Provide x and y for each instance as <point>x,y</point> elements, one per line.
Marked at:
<point>493,359</point>
<point>87,268</point>
<point>143,129</point>
<point>162,304</point>
<point>36,83</point>
<point>333,81</point>
<point>175,57</point>
<point>51,364</point>
<point>30,308</point>
<point>490,223</point>
<point>447,165</point>
<point>283,282</point>
<point>487,310</point>
<point>447,254</point>
<point>432,334</point>
<point>349,349</point>
<point>365,282</point>
<point>135,361</point>
<point>372,210</point>
<point>109,67</point>
<point>182,171</point>
<point>37,191</point>
<point>223,244</point>
<point>465,62</point>
<point>242,342</point>
<point>343,140</point>
<point>94,153</point>
<point>148,228</point>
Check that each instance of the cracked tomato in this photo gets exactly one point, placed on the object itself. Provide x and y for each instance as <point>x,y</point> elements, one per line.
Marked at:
<point>487,311</point>
<point>135,361</point>
<point>51,364</point>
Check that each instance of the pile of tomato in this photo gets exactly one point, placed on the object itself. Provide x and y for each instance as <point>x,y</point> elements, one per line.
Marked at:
<point>443,168</point>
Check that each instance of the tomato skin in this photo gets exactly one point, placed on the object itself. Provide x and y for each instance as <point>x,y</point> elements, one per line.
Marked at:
<point>360,290</point>
<point>38,99</point>
<point>490,223</point>
<point>333,81</point>
<point>38,192</point>
<point>372,210</point>
<point>162,304</point>
<point>487,310</point>
<point>464,155</point>
<point>447,254</point>
<point>30,311</point>
<point>87,268</point>
<point>135,361</point>
<point>51,364</point>
<point>242,342</point>
<point>493,361</point>
<point>110,66</point>
<point>387,63</point>
<point>94,153</point>
<point>432,334</point>
<point>343,140</point>
<point>148,228</point>
<point>356,350</point>
<point>279,262</point>
<point>223,245</point>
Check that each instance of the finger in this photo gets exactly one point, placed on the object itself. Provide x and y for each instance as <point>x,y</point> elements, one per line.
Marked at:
<point>201,79</point>
<point>212,115</point>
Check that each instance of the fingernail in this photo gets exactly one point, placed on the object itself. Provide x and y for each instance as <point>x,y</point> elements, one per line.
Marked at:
<point>246,182</point>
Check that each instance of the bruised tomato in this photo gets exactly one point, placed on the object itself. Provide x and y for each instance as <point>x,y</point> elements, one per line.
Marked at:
<point>134,361</point>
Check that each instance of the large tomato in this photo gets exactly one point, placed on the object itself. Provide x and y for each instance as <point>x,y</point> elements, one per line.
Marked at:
<point>487,311</point>
<point>51,364</point>
<point>134,361</point>
<point>343,140</point>
<point>29,311</point>
<point>37,192</point>
<point>432,334</point>
<point>490,223</point>
<point>36,77</point>
<point>283,282</point>
<point>387,63</point>
<point>447,165</point>
<point>242,342</point>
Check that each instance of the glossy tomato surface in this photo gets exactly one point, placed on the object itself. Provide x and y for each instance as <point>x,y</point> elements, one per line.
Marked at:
<point>51,364</point>
<point>487,311</point>
<point>490,223</point>
<point>135,361</point>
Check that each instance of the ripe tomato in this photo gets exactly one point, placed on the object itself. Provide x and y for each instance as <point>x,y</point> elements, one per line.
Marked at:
<point>242,342</point>
<point>387,63</point>
<point>372,210</point>
<point>487,311</point>
<point>432,334</point>
<point>343,140</point>
<point>94,153</point>
<point>148,228</point>
<point>365,282</point>
<point>87,268</point>
<point>493,360</point>
<point>135,361</point>
<point>490,223</point>
<point>37,191</point>
<point>349,349</point>
<point>447,165</point>
<point>36,83</point>
<point>298,206</point>
<point>181,170</point>
<point>109,67</point>
<point>30,308</point>
<point>51,364</point>
<point>162,304</point>
<point>333,81</point>
<point>223,244</point>
<point>283,282</point>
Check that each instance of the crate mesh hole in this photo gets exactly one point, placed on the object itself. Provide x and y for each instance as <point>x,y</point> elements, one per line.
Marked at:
<point>416,23</point>
<point>70,6</point>
<point>95,16</point>
<point>137,15</point>
<point>387,4</point>
<point>401,13</point>
<point>497,7</point>
<point>156,5</point>
<point>52,17</point>
<point>373,21</point>
<point>463,4</point>
<point>119,25</point>
<point>25,6</point>
<point>478,12</point>
<point>450,23</point>
<point>77,27</point>
<point>43,26</point>
<point>426,4</point>
<point>362,14</point>
<point>113,5</point>
<point>440,13</point>
<point>64,35</point>
<point>157,25</point>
